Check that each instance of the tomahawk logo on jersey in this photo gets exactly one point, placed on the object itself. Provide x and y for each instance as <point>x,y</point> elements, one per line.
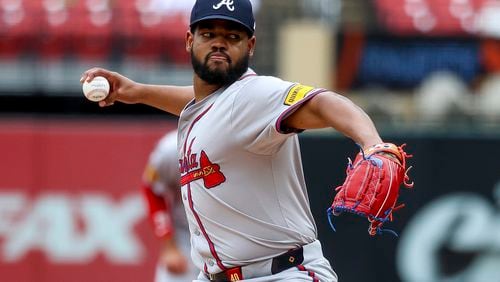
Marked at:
<point>208,171</point>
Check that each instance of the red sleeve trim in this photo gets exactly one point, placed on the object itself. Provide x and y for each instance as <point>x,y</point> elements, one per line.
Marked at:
<point>159,213</point>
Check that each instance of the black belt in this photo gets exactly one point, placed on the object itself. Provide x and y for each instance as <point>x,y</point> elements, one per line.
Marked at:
<point>282,262</point>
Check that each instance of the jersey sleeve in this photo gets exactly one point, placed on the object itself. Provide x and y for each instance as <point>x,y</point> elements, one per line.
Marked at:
<point>260,108</point>
<point>161,174</point>
<point>164,165</point>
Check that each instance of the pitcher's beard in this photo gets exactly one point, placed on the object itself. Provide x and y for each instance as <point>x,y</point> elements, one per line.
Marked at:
<point>218,76</point>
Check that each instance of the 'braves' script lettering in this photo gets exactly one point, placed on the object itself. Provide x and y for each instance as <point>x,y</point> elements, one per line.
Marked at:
<point>188,163</point>
<point>208,171</point>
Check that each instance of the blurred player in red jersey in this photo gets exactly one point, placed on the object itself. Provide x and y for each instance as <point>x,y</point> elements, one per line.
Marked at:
<point>166,212</point>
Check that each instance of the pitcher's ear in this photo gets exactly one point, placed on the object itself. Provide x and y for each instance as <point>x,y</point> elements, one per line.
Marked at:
<point>189,41</point>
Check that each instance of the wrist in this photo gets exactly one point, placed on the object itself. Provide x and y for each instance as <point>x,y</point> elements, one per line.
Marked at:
<point>370,141</point>
<point>140,93</point>
<point>387,149</point>
<point>169,244</point>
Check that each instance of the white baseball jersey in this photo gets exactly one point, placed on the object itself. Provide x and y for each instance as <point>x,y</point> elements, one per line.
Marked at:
<point>163,160</point>
<point>242,182</point>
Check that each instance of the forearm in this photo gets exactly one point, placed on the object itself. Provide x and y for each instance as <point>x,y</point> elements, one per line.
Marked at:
<point>329,109</point>
<point>159,213</point>
<point>165,97</point>
<point>169,244</point>
<point>349,119</point>
<point>171,99</point>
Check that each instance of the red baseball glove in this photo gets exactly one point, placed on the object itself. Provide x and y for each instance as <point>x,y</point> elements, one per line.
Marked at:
<point>371,188</point>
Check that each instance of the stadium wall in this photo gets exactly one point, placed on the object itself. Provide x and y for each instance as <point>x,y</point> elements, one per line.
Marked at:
<point>70,207</point>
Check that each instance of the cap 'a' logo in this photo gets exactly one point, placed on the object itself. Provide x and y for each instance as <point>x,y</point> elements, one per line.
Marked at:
<point>228,3</point>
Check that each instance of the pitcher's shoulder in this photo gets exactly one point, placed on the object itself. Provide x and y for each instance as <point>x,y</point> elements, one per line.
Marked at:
<point>268,83</point>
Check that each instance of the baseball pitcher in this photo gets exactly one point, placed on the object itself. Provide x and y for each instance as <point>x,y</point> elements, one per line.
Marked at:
<point>242,182</point>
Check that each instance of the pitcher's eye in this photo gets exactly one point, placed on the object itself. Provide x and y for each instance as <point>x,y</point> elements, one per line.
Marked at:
<point>207,34</point>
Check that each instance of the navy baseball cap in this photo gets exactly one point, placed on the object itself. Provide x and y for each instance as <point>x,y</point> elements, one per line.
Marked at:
<point>239,11</point>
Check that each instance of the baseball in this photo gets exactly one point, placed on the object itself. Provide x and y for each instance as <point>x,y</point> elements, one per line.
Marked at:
<point>97,89</point>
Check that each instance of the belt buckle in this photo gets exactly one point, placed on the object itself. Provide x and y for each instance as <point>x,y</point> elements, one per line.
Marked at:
<point>211,277</point>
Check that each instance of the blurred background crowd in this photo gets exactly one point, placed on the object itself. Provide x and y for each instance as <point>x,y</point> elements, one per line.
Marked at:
<point>422,62</point>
